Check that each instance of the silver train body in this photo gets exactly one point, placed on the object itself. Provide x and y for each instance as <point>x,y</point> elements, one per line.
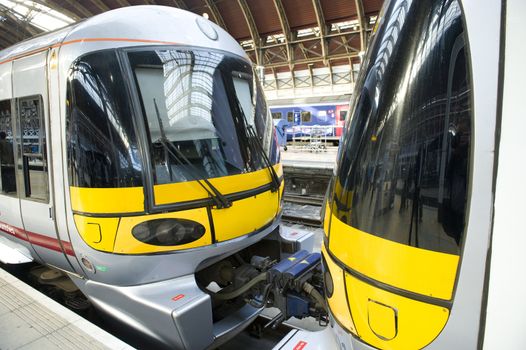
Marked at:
<point>67,204</point>
<point>430,172</point>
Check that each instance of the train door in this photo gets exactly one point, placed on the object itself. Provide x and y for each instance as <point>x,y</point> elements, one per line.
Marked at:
<point>10,219</point>
<point>30,92</point>
<point>297,118</point>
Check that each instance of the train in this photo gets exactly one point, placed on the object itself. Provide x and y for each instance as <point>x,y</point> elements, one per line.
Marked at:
<point>423,244</point>
<point>137,157</point>
<point>299,119</point>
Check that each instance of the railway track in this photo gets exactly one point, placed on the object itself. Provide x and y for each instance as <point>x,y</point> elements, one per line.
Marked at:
<point>299,199</point>
<point>304,194</point>
<point>303,210</point>
<point>314,222</point>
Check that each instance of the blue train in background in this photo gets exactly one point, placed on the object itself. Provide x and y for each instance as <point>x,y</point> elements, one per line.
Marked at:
<point>294,121</point>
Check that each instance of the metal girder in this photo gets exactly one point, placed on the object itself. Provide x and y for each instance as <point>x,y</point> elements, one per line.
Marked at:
<point>303,49</point>
<point>100,5</point>
<point>311,75</point>
<point>310,39</point>
<point>270,54</point>
<point>53,6</point>
<point>363,23</point>
<point>27,29</point>
<point>84,12</point>
<point>275,78</point>
<point>3,41</point>
<point>344,42</point>
<point>215,13</point>
<point>323,29</point>
<point>12,28</point>
<point>123,3</point>
<point>311,60</point>
<point>330,72</point>
<point>285,27</point>
<point>180,4</point>
<point>254,34</point>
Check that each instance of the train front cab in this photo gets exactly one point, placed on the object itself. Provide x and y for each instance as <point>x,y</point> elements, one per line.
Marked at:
<point>184,157</point>
<point>404,260</point>
<point>172,166</point>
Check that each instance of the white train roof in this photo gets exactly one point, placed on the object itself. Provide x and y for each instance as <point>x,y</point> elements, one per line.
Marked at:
<point>132,26</point>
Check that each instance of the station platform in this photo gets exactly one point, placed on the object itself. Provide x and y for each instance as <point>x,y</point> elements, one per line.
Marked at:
<point>31,320</point>
<point>300,157</point>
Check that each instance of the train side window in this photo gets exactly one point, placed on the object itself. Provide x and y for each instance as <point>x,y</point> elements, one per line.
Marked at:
<point>7,163</point>
<point>290,117</point>
<point>276,115</point>
<point>33,156</point>
<point>306,117</point>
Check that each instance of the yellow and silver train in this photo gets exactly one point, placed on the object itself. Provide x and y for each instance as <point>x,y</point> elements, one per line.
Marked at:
<point>423,243</point>
<point>136,148</point>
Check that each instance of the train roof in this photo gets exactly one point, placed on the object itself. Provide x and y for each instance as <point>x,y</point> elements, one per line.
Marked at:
<point>133,26</point>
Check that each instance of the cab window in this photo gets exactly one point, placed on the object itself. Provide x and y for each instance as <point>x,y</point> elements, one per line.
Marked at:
<point>102,143</point>
<point>404,163</point>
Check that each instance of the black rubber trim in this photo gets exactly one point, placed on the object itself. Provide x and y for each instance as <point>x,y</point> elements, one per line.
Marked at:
<point>211,223</point>
<point>398,291</point>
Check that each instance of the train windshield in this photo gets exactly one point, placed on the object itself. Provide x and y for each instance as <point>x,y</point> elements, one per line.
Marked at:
<point>198,108</point>
<point>102,143</point>
<point>404,160</point>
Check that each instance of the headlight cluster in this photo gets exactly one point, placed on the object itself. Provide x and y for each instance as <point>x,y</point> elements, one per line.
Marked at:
<point>168,232</point>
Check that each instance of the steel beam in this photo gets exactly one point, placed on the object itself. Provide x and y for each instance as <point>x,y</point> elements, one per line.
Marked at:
<point>310,60</point>
<point>13,28</point>
<point>100,5</point>
<point>77,5</point>
<point>3,41</point>
<point>123,3</point>
<point>180,4</point>
<point>285,27</point>
<point>311,75</point>
<point>254,34</point>
<point>22,25</point>
<point>218,19</point>
<point>323,29</point>
<point>53,6</point>
<point>363,23</point>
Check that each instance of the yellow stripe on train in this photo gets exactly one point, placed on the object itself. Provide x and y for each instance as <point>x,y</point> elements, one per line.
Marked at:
<point>413,269</point>
<point>244,217</point>
<point>131,199</point>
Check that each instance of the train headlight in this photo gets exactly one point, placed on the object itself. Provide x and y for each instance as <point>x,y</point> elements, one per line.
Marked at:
<point>167,232</point>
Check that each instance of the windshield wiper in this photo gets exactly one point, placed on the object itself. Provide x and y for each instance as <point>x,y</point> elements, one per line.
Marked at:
<point>257,146</point>
<point>220,200</point>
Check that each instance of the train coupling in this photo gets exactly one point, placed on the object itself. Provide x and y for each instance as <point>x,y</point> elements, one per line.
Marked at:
<point>294,286</point>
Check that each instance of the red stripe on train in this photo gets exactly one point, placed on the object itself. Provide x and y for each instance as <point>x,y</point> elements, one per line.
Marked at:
<point>37,239</point>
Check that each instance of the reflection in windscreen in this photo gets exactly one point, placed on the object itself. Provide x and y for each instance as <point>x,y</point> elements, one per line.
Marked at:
<point>404,162</point>
<point>187,108</point>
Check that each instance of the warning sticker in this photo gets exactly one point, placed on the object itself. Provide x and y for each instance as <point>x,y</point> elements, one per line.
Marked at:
<point>178,297</point>
<point>301,345</point>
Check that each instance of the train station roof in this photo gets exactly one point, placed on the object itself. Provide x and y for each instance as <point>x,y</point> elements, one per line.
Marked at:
<point>296,44</point>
